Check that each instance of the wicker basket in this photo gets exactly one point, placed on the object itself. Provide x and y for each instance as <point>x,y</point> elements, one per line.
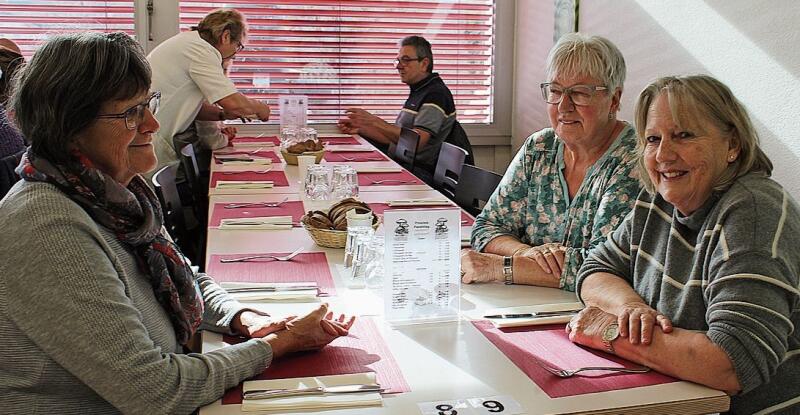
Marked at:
<point>330,238</point>
<point>291,158</point>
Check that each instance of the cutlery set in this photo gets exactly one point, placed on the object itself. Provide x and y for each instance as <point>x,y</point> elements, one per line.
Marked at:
<point>283,393</point>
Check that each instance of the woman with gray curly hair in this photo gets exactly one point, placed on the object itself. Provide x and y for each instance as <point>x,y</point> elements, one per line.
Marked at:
<point>701,280</point>
<point>569,185</point>
<point>96,302</point>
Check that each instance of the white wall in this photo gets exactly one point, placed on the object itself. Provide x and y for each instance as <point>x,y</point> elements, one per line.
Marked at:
<point>751,45</point>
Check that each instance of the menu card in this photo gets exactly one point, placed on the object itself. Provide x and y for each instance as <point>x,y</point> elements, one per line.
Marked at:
<point>422,265</point>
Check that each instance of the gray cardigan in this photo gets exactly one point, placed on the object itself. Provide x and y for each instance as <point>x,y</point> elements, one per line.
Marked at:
<point>80,328</point>
<point>730,269</point>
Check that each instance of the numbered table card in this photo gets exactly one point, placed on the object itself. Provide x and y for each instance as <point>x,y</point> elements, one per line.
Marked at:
<point>421,265</point>
<point>505,405</point>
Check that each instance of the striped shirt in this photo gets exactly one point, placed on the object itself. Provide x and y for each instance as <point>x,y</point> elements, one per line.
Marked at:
<point>730,269</point>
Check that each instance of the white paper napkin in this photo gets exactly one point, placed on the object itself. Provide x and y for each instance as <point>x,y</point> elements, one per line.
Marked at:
<point>420,202</point>
<point>258,222</point>
<point>378,169</point>
<point>284,293</point>
<point>532,321</point>
<point>313,402</point>
<point>333,135</point>
<point>251,144</point>
<point>244,184</point>
<point>339,148</point>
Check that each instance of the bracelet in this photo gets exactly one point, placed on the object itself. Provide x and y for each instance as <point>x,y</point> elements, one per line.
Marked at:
<point>508,269</point>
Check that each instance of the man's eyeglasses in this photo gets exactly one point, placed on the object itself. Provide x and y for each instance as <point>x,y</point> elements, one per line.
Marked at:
<point>135,115</point>
<point>239,48</point>
<point>405,60</point>
<point>579,94</point>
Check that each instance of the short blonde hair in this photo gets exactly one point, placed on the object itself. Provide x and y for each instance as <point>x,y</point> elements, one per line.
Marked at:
<point>695,102</point>
<point>577,54</point>
<point>215,23</point>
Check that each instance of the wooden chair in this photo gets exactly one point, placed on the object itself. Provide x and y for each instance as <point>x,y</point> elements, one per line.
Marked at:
<point>174,219</point>
<point>448,168</point>
<point>405,152</point>
<point>475,185</point>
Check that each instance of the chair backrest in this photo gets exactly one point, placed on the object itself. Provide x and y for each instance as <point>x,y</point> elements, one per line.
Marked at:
<point>448,168</point>
<point>475,185</point>
<point>190,168</point>
<point>458,137</point>
<point>405,152</point>
<point>8,177</point>
<point>167,191</point>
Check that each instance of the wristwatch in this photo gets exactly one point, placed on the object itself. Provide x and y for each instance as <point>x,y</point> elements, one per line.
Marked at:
<point>610,333</point>
<point>508,269</point>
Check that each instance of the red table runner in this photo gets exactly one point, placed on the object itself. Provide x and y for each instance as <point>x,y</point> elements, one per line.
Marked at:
<point>394,179</point>
<point>277,177</point>
<point>379,208</point>
<point>308,266</point>
<point>550,344</point>
<point>354,156</point>
<point>363,350</point>
<point>218,212</point>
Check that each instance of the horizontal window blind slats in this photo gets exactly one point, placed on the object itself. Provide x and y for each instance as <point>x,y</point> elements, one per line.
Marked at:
<point>340,53</point>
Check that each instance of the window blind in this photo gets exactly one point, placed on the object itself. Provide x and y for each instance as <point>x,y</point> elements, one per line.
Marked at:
<point>339,53</point>
<point>28,22</point>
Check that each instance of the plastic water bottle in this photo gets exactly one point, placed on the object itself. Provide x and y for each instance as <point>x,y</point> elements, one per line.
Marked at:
<point>359,233</point>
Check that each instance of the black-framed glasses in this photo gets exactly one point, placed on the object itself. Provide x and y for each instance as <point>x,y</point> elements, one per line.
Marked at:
<point>578,94</point>
<point>405,60</point>
<point>239,48</point>
<point>135,115</point>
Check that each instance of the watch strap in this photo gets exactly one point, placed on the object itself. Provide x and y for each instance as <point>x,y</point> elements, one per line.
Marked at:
<point>508,269</point>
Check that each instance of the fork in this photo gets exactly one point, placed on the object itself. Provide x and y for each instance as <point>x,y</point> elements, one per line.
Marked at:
<point>252,257</point>
<point>256,204</point>
<point>399,181</point>
<point>568,373</point>
<point>345,158</point>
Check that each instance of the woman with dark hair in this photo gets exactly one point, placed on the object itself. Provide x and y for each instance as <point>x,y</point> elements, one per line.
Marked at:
<point>96,302</point>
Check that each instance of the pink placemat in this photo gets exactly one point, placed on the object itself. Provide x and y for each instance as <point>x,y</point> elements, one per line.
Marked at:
<point>549,343</point>
<point>367,179</point>
<point>333,140</point>
<point>218,212</point>
<point>354,156</point>
<point>308,266</point>
<point>363,350</point>
<point>251,140</point>
<point>263,154</point>
<point>378,208</point>
<point>277,177</point>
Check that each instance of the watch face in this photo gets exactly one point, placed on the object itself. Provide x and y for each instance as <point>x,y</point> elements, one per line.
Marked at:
<point>611,332</point>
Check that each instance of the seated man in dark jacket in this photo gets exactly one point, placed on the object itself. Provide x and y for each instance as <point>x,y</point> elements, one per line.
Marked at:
<point>429,109</point>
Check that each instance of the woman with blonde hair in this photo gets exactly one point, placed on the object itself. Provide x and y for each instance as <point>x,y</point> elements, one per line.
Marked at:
<point>701,281</point>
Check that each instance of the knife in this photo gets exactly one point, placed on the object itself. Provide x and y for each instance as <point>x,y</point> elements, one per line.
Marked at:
<point>534,314</point>
<point>282,393</point>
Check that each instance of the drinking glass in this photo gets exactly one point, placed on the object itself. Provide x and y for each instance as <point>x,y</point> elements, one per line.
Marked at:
<point>289,135</point>
<point>344,182</point>
<point>318,183</point>
<point>307,133</point>
<point>374,272</point>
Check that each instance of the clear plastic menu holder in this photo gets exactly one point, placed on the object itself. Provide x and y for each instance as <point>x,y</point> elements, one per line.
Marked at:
<point>293,110</point>
<point>422,267</point>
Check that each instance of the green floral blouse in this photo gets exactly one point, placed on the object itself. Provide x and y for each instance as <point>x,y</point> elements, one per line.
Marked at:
<point>532,201</point>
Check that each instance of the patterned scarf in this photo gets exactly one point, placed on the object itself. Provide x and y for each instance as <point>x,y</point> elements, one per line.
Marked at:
<point>135,217</point>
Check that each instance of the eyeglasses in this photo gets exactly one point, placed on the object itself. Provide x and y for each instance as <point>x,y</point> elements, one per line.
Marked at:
<point>135,115</point>
<point>239,48</point>
<point>578,94</point>
<point>405,60</point>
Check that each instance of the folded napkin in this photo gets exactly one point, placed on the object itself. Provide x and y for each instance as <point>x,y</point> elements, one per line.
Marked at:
<point>420,202</point>
<point>257,141</point>
<point>378,169</point>
<point>349,148</point>
<point>244,184</point>
<point>262,223</point>
<point>313,402</point>
<point>532,309</point>
<point>240,160</point>
<point>261,292</point>
<point>338,140</point>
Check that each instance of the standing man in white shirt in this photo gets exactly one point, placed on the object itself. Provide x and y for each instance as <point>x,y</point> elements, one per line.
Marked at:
<point>187,69</point>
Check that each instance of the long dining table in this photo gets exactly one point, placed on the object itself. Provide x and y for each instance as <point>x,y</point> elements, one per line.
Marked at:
<point>440,362</point>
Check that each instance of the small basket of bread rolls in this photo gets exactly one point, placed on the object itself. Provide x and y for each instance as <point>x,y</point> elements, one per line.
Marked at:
<point>329,228</point>
<point>303,148</point>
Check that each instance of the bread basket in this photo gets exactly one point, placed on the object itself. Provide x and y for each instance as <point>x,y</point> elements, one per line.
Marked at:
<point>291,158</point>
<point>331,238</point>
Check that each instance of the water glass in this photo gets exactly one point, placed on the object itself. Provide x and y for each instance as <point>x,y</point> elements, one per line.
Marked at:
<point>375,254</point>
<point>318,183</point>
<point>289,135</point>
<point>307,133</point>
<point>344,182</point>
